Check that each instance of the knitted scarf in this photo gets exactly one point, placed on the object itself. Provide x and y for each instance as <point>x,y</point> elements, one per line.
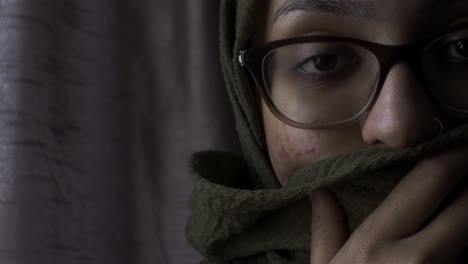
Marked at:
<point>239,211</point>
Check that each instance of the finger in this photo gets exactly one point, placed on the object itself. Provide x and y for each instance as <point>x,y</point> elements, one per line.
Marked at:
<point>418,195</point>
<point>328,227</point>
<point>448,232</point>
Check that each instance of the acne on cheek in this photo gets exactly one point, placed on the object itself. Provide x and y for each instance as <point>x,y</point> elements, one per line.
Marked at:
<point>292,148</point>
<point>289,148</point>
<point>303,145</point>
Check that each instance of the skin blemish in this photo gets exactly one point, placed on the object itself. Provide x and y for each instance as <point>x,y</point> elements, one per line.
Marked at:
<point>283,151</point>
<point>311,151</point>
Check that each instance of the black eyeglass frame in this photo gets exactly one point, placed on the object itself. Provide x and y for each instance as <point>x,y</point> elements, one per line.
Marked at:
<point>387,56</point>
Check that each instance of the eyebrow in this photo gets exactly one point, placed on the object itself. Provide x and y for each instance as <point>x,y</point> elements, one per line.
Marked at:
<point>352,8</point>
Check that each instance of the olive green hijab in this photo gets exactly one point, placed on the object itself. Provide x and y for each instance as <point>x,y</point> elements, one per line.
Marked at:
<point>239,213</point>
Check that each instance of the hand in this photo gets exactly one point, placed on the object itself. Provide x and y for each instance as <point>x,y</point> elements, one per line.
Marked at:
<point>398,231</point>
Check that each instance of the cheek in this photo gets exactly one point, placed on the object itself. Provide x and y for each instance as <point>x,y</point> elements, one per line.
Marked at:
<point>295,145</point>
<point>291,148</point>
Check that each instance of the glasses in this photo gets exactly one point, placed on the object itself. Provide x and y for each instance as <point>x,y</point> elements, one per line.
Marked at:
<point>316,82</point>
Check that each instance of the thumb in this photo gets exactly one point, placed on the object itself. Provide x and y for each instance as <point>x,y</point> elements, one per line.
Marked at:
<point>328,227</point>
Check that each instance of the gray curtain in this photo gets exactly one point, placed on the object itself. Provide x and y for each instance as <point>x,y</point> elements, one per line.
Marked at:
<point>101,104</point>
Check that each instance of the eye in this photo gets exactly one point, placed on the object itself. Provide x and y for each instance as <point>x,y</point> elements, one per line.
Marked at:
<point>326,64</point>
<point>458,50</point>
<point>321,63</point>
<point>452,51</point>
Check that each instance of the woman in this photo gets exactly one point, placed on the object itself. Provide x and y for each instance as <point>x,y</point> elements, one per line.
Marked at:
<point>360,105</point>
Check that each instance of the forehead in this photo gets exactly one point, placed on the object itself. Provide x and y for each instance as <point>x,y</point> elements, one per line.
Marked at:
<point>363,8</point>
<point>407,16</point>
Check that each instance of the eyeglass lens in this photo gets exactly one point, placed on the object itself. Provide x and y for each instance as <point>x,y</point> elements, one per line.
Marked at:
<point>445,67</point>
<point>323,83</point>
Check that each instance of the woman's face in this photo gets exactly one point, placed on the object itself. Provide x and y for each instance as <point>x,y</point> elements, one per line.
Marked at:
<point>402,116</point>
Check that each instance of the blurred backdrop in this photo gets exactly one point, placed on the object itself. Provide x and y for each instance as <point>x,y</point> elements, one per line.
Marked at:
<point>101,104</point>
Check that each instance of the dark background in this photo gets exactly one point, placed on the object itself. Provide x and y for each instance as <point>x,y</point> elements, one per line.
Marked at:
<point>101,104</point>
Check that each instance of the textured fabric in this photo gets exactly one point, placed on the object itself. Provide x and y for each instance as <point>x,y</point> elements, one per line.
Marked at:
<point>231,219</point>
<point>235,29</point>
<point>101,104</point>
<point>238,212</point>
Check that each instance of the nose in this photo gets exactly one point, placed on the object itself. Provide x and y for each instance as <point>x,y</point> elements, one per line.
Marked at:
<point>403,115</point>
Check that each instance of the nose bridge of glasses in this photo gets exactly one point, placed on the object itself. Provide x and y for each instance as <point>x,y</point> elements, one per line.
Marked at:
<point>389,56</point>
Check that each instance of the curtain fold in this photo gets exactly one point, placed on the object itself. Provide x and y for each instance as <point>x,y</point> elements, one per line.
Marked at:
<point>101,104</point>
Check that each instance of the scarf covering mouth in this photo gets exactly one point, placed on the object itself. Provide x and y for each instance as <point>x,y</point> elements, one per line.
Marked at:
<point>238,211</point>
